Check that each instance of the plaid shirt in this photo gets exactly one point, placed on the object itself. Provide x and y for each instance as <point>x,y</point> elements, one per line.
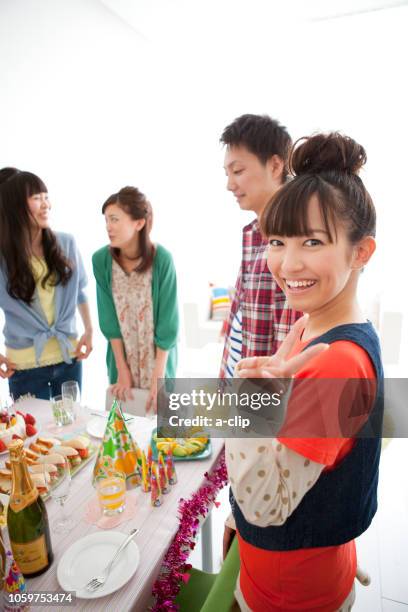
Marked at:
<point>266,315</point>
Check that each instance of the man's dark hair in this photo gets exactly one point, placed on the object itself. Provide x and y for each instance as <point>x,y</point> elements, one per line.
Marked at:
<point>261,135</point>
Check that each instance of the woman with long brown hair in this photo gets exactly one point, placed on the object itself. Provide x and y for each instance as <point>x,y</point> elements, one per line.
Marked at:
<point>42,281</point>
<point>137,298</point>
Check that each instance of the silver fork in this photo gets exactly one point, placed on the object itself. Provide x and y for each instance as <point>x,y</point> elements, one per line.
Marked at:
<point>98,581</point>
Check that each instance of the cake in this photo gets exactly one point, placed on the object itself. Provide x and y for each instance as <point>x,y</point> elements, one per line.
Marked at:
<point>15,426</point>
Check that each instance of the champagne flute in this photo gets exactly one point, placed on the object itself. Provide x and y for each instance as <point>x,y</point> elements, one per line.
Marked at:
<point>59,492</point>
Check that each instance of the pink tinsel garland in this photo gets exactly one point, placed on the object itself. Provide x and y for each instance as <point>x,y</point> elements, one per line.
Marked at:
<point>174,567</point>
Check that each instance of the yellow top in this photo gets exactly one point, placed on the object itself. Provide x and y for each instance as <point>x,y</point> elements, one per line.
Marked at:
<point>51,355</point>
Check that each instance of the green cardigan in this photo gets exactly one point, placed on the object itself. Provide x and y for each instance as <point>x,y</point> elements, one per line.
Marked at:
<point>165,310</point>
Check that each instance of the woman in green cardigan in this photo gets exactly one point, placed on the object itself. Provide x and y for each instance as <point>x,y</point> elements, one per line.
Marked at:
<point>137,298</point>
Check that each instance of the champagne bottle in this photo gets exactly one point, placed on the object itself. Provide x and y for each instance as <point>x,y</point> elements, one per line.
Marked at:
<point>27,519</point>
<point>2,564</point>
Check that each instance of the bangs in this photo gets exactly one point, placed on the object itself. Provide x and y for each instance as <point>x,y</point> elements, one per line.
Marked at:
<point>287,214</point>
<point>33,183</point>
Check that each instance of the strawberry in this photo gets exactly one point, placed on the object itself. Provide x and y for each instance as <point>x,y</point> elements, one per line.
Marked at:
<point>30,430</point>
<point>16,437</point>
<point>29,419</point>
<point>3,447</point>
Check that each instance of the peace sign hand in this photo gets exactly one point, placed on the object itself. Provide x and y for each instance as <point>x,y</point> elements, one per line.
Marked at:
<point>279,365</point>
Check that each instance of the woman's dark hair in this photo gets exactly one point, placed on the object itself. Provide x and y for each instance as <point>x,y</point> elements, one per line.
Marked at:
<point>16,235</point>
<point>134,203</point>
<point>327,166</point>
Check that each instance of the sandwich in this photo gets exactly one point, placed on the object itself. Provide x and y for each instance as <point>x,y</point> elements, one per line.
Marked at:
<point>81,444</point>
<point>53,458</point>
<point>39,448</point>
<point>40,481</point>
<point>30,455</point>
<point>48,468</point>
<point>70,453</point>
<point>48,442</point>
<point>5,474</point>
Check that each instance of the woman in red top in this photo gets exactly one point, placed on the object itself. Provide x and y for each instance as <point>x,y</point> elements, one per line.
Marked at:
<point>321,229</point>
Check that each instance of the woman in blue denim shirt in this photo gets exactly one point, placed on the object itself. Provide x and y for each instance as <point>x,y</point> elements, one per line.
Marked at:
<point>42,282</point>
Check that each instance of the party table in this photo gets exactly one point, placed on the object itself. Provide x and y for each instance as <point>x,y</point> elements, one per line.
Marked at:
<point>158,526</point>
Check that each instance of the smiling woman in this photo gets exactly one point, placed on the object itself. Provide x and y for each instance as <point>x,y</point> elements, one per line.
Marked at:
<point>295,554</point>
<point>42,281</point>
<point>321,229</point>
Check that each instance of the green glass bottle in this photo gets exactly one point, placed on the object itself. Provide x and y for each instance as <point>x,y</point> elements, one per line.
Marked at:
<point>27,519</point>
<point>2,564</point>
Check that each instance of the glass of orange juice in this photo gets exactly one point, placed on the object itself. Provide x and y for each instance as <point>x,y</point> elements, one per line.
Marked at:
<point>111,490</point>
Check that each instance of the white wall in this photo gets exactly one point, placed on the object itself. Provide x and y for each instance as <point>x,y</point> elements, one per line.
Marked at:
<point>90,104</point>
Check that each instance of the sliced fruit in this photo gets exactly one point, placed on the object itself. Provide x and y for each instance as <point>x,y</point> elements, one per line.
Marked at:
<point>179,451</point>
<point>30,430</point>
<point>29,419</point>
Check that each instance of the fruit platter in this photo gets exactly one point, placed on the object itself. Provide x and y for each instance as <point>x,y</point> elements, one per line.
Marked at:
<point>45,457</point>
<point>184,449</point>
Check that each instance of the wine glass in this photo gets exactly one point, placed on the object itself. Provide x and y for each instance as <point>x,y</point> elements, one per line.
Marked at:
<point>71,394</point>
<point>59,492</point>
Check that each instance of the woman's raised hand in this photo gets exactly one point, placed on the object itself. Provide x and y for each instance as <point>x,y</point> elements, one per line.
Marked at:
<point>280,365</point>
<point>7,367</point>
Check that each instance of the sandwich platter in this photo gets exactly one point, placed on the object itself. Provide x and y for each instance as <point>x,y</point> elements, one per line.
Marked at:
<point>44,458</point>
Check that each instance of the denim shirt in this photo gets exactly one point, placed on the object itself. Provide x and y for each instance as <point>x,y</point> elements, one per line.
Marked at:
<point>26,325</point>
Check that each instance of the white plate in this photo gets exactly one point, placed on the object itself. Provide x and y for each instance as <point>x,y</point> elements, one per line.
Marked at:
<point>87,557</point>
<point>138,425</point>
<point>96,427</point>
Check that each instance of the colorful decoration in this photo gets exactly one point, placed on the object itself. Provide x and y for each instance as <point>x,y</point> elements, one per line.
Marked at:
<point>14,583</point>
<point>149,459</point>
<point>145,475</point>
<point>174,567</point>
<point>164,483</point>
<point>118,450</point>
<point>156,498</point>
<point>170,469</point>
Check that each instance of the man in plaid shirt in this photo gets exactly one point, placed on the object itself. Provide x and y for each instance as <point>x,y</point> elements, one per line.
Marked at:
<point>256,164</point>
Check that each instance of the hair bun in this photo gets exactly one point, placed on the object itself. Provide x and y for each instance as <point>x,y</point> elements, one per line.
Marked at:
<point>325,153</point>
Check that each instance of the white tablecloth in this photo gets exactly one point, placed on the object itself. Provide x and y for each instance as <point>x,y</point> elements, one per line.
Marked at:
<point>158,527</point>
